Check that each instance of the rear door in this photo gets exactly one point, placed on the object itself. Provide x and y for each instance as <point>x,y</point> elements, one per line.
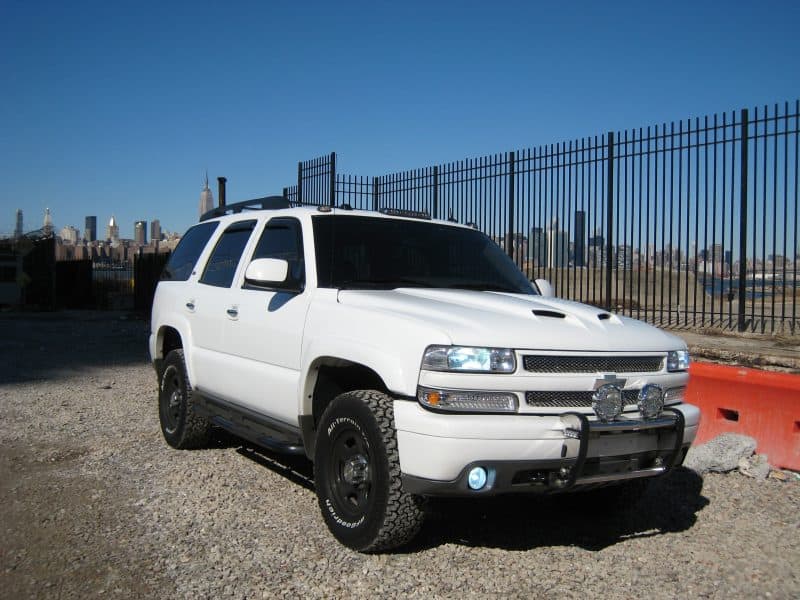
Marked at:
<point>212,309</point>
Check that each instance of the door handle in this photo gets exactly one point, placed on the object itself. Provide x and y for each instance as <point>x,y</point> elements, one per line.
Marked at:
<point>232,312</point>
<point>190,305</point>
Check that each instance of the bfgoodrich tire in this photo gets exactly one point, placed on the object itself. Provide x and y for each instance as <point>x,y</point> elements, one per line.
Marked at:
<point>357,474</point>
<point>181,426</point>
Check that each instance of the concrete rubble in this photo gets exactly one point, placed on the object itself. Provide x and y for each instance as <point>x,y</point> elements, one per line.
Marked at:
<point>720,455</point>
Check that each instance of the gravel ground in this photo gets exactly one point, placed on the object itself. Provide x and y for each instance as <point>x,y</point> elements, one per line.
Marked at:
<point>96,504</point>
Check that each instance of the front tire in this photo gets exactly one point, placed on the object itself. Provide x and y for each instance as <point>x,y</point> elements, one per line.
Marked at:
<point>181,426</point>
<point>357,474</point>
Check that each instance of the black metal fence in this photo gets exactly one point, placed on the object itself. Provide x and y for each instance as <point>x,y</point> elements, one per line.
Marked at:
<point>687,224</point>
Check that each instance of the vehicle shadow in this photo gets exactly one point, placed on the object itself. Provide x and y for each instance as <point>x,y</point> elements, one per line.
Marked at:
<point>297,469</point>
<point>523,522</point>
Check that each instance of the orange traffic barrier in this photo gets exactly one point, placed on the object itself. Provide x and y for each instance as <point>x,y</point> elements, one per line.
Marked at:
<point>761,404</point>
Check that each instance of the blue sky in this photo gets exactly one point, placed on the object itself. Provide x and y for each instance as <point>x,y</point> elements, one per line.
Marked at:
<point>118,108</point>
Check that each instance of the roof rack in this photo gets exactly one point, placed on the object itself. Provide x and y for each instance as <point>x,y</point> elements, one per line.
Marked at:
<point>266,203</point>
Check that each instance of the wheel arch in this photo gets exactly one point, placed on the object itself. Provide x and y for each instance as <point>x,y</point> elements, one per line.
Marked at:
<point>328,377</point>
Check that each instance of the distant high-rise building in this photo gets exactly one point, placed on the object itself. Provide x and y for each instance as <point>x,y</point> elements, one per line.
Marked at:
<point>69,234</point>
<point>90,231</point>
<point>112,232</point>
<point>537,247</point>
<point>206,198</point>
<point>557,246</point>
<point>140,232</point>
<point>18,229</point>
<point>155,231</point>
<point>47,225</point>
<point>580,238</point>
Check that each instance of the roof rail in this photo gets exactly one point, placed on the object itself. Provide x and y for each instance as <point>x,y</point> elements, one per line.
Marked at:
<point>266,203</point>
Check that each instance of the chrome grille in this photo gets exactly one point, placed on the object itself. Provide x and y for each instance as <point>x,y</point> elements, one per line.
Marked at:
<point>572,399</point>
<point>539,363</point>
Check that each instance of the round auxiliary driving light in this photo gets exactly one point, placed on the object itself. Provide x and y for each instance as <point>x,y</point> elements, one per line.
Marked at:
<point>476,478</point>
<point>651,401</point>
<point>607,402</point>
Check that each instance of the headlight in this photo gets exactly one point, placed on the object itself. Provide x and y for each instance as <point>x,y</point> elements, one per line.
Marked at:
<point>467,401</point>
<point>677,360</point>
<point>469,360</point>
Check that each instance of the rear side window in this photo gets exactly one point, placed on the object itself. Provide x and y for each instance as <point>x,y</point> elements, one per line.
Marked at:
<point>183,259</point>
<point>221,265</point>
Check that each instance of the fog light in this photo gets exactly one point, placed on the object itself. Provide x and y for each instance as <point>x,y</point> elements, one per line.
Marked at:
<point>607,402</point>
<point>651,401</point>
<point>476,478</point>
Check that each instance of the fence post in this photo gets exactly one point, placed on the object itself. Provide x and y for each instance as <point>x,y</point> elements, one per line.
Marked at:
<point>743,224</point>
<point>300,182</point>
<point>609,216</point>
<point>510,247</point>
<point>435,210</point>
<point>333,180</point>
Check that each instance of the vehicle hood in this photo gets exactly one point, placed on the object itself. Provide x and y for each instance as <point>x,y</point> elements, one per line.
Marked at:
<point>474,318</point>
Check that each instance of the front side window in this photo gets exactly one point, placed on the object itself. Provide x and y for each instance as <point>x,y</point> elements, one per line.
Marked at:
<point>182,261</point>
<point>221,265</point>
<point>282,238</point>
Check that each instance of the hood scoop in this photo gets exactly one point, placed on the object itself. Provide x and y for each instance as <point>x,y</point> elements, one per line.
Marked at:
<point>551,314</point>
<point>604,316</point>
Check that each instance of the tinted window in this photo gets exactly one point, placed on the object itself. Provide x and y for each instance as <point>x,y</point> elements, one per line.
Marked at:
<point>183,259</point>
<point>368,252</point>
<point>282,238</point>
<point>222,263</point>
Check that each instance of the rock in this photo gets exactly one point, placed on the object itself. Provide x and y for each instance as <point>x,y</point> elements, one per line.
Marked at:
<point>779,475</point>
<point>721,454</point>
<point>757,466</point>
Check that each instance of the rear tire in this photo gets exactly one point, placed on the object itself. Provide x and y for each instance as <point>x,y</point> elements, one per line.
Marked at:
<point>181,426</point>
<point>357,474</point>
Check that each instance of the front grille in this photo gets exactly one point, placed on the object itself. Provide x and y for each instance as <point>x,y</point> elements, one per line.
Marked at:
<point>539,363</point>
<point>572,399</point>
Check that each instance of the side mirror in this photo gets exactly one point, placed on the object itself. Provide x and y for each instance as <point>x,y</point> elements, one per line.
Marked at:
<point>267,273</point>
<point>545,289</point>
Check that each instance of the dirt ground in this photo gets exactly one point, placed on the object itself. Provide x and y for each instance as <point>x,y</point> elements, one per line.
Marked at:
<point>96,505</point>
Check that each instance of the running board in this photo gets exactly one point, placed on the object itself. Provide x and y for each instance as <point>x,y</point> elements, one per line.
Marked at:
<point>259,429</point>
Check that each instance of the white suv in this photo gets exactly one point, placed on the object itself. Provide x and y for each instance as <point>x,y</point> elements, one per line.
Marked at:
<point>407,358</point>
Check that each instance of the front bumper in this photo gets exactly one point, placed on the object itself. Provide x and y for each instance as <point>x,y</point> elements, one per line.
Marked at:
<point>532,453</point>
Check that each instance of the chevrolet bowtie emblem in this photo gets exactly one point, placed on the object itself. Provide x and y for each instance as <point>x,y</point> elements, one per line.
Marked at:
<point>606,378</point>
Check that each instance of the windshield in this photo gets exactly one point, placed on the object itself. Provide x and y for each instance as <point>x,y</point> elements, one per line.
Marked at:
<point>359,252</point>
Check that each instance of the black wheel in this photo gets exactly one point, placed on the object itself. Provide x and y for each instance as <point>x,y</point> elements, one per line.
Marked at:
<point>357,474</point>
<point>181,426</point>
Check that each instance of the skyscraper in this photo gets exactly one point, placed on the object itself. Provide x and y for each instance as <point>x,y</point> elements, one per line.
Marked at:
<point>18,229</point>
<point>557,246</point>
<point>112,232</point>
<point>47,225</point>
<point>537,247</point>
<point>155,231</point>
<point>206,198</point>
<point>140,232</point>
<point>580,238</point>
<point>90,231</point>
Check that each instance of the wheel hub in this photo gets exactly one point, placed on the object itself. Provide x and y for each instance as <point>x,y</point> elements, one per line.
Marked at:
<point>355,470</point>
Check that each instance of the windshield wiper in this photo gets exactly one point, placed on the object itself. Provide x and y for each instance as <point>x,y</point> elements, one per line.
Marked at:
<point>383,284</point>
<point>484,286</point>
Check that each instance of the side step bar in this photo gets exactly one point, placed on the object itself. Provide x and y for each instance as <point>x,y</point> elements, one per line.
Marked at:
<point>245,423</point>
